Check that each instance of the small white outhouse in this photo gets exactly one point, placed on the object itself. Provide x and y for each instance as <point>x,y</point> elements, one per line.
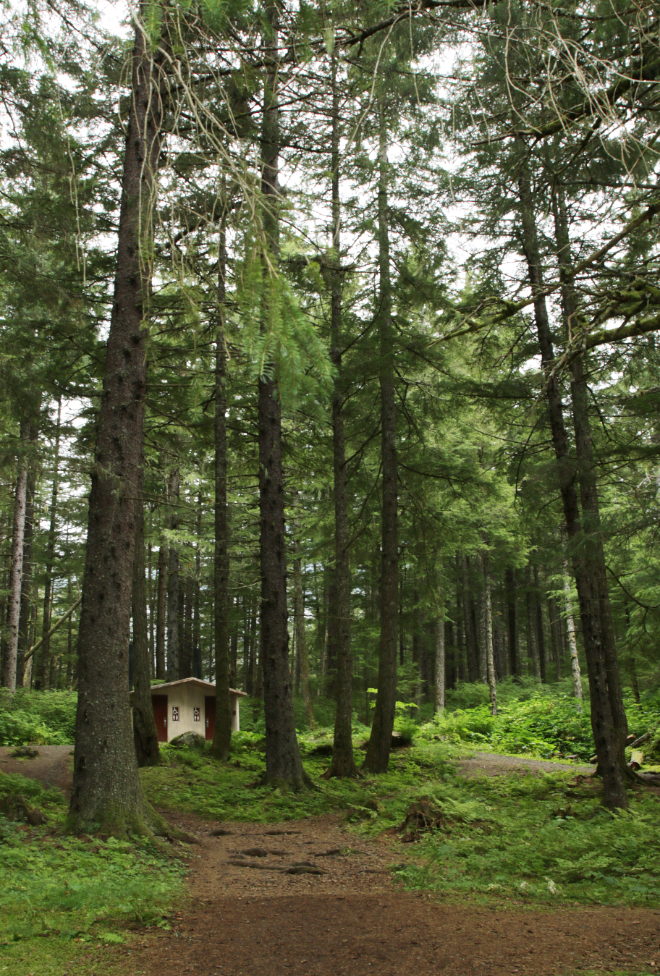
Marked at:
<point>188,705</point>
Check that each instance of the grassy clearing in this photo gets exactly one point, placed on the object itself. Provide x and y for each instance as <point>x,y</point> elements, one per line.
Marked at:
<point>65,900</point>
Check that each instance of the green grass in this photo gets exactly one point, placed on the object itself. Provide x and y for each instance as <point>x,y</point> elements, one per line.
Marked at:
<point>64,899</point>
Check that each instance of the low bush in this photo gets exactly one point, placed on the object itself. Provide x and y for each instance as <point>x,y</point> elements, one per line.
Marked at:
<point>37,717</point>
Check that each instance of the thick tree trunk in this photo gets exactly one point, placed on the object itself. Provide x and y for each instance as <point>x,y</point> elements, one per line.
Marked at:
<point>106,791</point>
<point>283,762</point>
<point>606,735</point>
<point>161,611</point>
<point>592,539</point>
<point>16,570</point>
<point>380,740</point>
<point>145,736</point>
<point>222,733</point>
<point>27,583</point>
<point>173,585</point>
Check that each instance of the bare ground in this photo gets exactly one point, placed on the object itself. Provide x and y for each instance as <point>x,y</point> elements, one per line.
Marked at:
<point>53,766</point>
<point>490,764</point>
<point>258,920</point>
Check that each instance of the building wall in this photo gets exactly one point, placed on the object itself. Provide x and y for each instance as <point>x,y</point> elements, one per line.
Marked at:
<point>186,698</point>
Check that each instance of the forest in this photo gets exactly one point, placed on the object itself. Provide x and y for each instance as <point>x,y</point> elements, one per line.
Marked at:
<point>328,371</point>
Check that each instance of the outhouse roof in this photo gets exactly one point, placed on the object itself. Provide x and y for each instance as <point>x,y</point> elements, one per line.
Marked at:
<point>155,689</point>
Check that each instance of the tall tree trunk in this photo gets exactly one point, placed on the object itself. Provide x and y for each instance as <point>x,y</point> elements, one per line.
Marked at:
<point>380,740</point>
<point>538,600</point>
<point>609,748</point>
<point>482,639</point>
<point>27,582</point>
<point>106,791</point>
<point>44,664</point>
<point>343,761</point>
<point>161,611</point>
<point>145,736</point>
<point>592,537</point>
<point>470,629</point>
<point>570,633</point>
<point>301,635</point>
<point>488,635</point>
<point>283,762</point>
<point>185,626</point>
<point>532,624</point>
<point>197,620</point>
<point>150,604</point>
<point>16,570</point>
<point>70,669</point>
<point>173,585</point>
<point>512,621</point>
<point>222,734</point>
<point>439,695</point>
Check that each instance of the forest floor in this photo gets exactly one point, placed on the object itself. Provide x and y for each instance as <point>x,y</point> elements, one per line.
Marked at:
<point>314,892</point>
<point>250,914</point>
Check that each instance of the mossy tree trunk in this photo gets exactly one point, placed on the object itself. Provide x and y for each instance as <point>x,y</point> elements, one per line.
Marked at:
<point>106,792</point>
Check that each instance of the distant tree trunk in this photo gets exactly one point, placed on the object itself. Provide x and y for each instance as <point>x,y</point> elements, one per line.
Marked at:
<point>488,618</point>
<point>570,633</point>
<point>16,571</point>
<point>439,696</point>
<point>460,655</point>
<point>343,761</point>
<point>185,626</point>
<point>482,637</point>
<point>222,733</point>
<point>283,762</point>
<point>512,621</point>
<point>173,584</point>
<point>197,622</point>
<point>607,735</point>
<point>27,583</point>
<point>470,629</point>
<point>106,791</point>
<point>150,603</point>
<point>145,735</point>
<point>538,600</point>
<point>161,610</point>
<point>532,624</point>
<point>380,740</point>
<point>69,639</point>
<point>301,636</point>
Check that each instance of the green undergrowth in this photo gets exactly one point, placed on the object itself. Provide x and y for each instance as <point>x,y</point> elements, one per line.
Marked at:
<point>65,898</point>
<point>531,838</point>
<point>39,717</point>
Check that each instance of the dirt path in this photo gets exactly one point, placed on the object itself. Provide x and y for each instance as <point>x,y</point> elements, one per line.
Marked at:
<point>490,764</point>
<point>53,766</point>
<point>259,920</point>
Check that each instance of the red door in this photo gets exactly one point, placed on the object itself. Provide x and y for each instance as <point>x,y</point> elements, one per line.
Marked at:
<point>160,715</point>
<point>209,710</point>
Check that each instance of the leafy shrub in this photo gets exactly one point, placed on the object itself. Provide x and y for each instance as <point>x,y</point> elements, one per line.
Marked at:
<point>37,717</point>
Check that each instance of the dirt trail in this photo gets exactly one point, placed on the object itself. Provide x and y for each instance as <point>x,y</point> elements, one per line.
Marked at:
<point>352,920</point>
<point>490,764</point>
<point>53,766</point>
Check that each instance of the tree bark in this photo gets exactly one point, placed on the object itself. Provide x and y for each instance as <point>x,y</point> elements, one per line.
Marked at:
<point>283,762</point>
<point>592,537</point>
<point>27,582</point>
<point>606,737</point>
<point>222,733</point>
<point>106,792</point>
<point>145,736</point>
<point>512,621</point>
<point>173,584</point>
<point>16,570</point>
<point>380,740</point>
<point>570,633</point>
<point>301,635</point>
<point>490,659</point>
<point>161,611</point>
<point>343,761</point>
